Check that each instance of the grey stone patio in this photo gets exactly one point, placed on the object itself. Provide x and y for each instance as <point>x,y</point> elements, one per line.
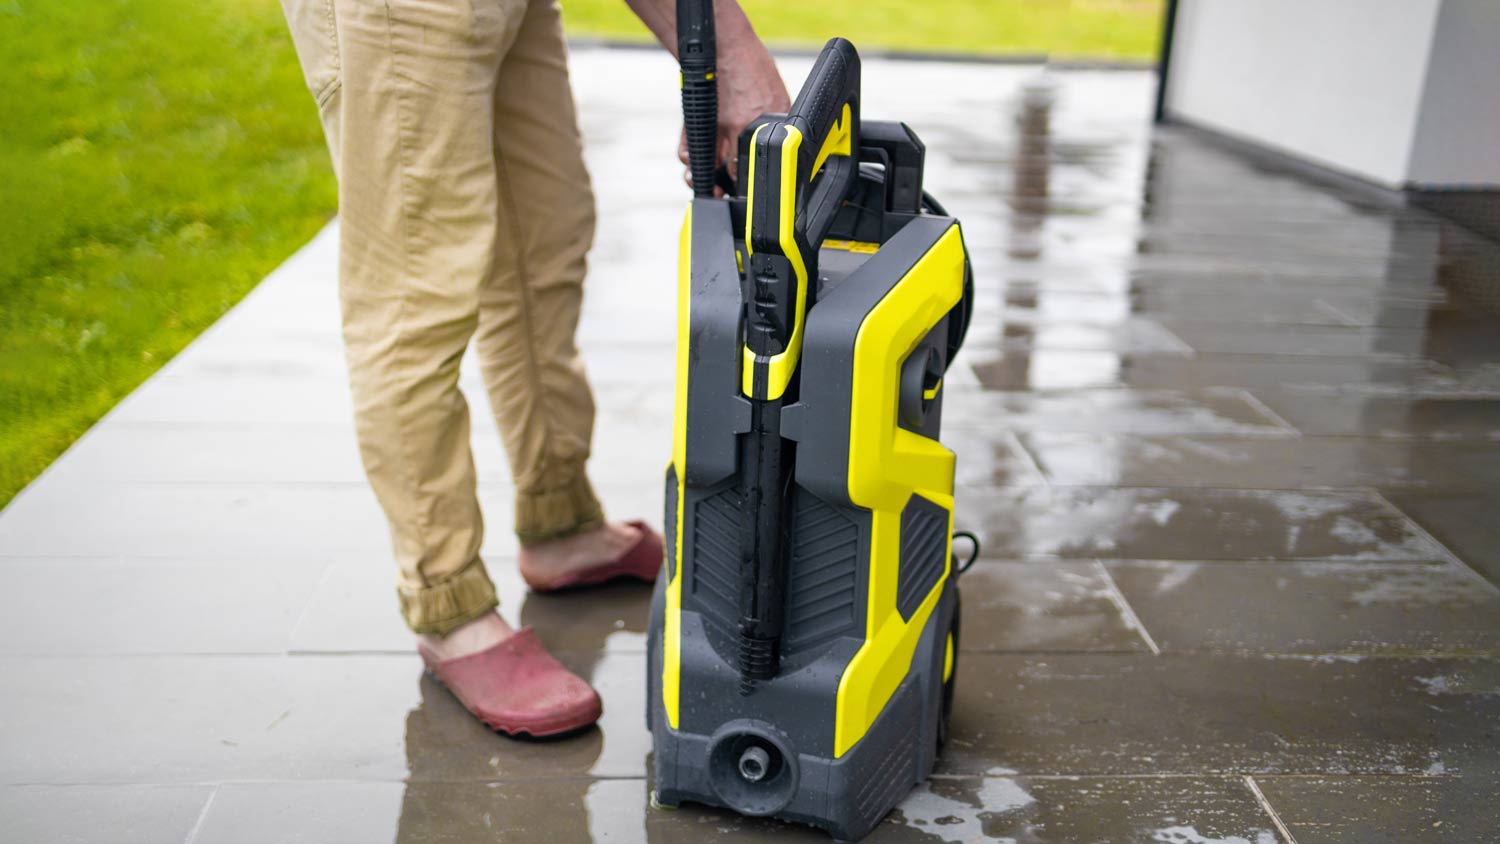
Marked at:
<point>1231,440</point>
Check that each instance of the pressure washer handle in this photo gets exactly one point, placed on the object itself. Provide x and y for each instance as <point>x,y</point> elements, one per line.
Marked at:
<point>819,136</point>
<point>832,85</point>
<point>700,90</point>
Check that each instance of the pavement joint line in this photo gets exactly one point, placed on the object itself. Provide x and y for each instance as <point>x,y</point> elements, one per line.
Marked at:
<point>202,816</point>
<point>1132,620</point>
<point>1182,347</point>
<point>312,593</point>
<point>1333,311</point>
<point>1270,810</point>
<point>1013,439</point>
<point>1255,402</point>
<point>1422,532</point>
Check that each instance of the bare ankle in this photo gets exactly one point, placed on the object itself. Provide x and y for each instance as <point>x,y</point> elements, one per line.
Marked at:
<point>480,634</point>
<point>591,547</point>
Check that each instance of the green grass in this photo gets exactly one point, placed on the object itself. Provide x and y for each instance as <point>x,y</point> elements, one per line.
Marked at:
<point>157,158</point>
<point>1064,29</point>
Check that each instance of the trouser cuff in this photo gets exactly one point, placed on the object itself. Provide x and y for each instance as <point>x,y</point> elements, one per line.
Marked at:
<point>557,512</point>
<point>438,609</point>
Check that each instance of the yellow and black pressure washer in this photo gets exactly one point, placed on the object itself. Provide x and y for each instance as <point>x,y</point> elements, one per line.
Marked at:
<point>803,643</point>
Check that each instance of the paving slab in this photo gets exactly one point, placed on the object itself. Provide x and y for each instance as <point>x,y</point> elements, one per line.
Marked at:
<point>1221,714</point>
<point>350,611</point>
<point>1464,523</point>
<point>122,814</point>
<point>1313,608</point>
<point>246,521</point>
<point>1124,336</point>
<point>188,719</point>
<point>1045,606</point>
<point>1307,463</point>
<point>625,449</point>
<point>155,606</point>
<point>957,810</point>
<point>1061,369</point>
<point>1209,411</point>
<point>1190,524</point>
<point>1397,417</point>
<point>1059,810</point>
<point>1386,810</point>
<point>1319,341</point>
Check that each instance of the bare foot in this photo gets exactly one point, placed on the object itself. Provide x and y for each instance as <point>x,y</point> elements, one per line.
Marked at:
<point>480,634</point>
<point>551,561</point>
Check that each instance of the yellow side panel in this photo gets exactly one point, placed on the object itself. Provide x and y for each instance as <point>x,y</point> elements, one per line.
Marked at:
<point>886,465</point>
<point>671,663</point>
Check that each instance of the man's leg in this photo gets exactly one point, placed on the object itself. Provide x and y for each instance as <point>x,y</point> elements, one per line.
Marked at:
<point>405,90</point>
<point>529,310</point>
<point>418,199</point>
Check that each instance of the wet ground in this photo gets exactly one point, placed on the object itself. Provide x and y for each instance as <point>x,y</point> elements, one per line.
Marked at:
<point>1231,441</point>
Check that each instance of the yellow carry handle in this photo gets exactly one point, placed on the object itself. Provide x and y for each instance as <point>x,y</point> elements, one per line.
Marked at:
<point>802,169</point>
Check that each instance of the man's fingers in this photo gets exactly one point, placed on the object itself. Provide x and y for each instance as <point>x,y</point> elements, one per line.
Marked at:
<point>729,154</point>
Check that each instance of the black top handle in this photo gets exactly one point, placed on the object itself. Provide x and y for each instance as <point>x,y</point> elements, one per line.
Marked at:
<point>696,49</point>
<point>822,131</point>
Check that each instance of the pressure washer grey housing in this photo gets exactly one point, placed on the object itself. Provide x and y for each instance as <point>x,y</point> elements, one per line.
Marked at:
<point>803,644</point>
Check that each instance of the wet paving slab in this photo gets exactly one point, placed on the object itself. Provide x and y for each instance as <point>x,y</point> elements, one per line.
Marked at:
<point>157,606</point>
<point>1142,715</point>
<point>1213,410</point>
<point>1230,440</point>
<point>1191,524</point>
<point>1313,608</point>
<point>1464,523</point>
<point>964,809</point>
<point>189,719</point>
<point>1312,340</point>
<point>349,612</point>
<point>127,814</point>
<point>1064,606</point>
<point>1068,369</point>
<point>1386,810</point>
<point>1383,416</point>
<point>246,521</point>
<point>1306,463</point>
<point>1127,336</point>
<point>626,450</point>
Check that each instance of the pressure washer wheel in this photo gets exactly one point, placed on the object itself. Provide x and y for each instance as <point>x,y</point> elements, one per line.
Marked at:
<point>946,714</point>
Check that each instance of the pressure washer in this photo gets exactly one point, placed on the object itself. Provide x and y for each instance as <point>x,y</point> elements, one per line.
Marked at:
<point>803,643</point>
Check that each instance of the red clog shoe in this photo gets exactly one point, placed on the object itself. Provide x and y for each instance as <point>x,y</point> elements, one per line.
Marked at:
<point>643,562</point>
<point>517,688</point>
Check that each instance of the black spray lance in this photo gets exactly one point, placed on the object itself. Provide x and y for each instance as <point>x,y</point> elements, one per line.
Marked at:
<point>700,89</point>
<point>762,564</point>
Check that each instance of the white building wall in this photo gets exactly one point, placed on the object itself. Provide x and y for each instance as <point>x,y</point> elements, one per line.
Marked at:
<point>1457,140</point>
<point>1338,82</point>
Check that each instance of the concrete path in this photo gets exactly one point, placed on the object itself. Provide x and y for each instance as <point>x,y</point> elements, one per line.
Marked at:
<point>1232,442</point>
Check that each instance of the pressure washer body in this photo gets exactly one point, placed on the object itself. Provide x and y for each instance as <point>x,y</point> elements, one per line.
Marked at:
<point>804,639</point>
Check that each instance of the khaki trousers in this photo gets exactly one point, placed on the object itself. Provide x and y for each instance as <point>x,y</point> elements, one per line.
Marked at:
<point>466,213</point>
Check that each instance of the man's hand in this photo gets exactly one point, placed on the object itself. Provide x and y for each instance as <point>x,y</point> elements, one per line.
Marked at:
<point>749,84</point>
